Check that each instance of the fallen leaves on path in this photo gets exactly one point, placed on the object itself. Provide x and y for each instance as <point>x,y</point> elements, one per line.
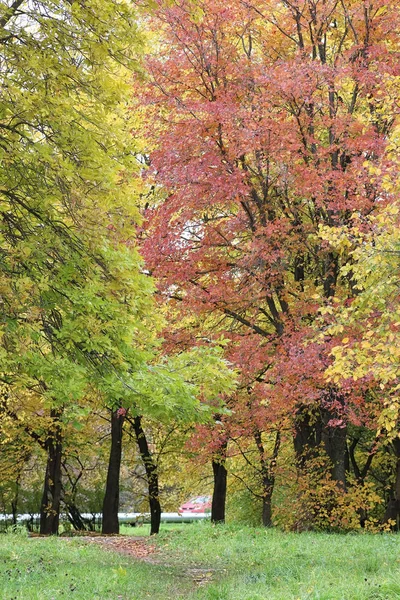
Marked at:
<point>137,547</point>
<point>144,549</point>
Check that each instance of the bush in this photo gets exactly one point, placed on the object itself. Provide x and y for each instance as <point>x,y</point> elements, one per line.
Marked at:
<point>314,501</point>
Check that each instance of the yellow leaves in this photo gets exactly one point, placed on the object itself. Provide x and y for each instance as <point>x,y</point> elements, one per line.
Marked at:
<point>326,310</point>
<point>375,170</point>
<point>197,14</point>
<point>335,329</point>
<point>337,237</point>
<point>365,345</point>
<point>388,418</point>
<point>321,504</point>
<point>373,315</point>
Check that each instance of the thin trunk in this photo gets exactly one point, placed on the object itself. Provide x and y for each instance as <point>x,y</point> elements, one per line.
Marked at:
<point>76,519</point>
<point>152,476</point>
<point>69,499</point>
<point>110,523</point>
<point>14,502</point>
<point>50,505</point>
<point>220,482</point>
<point>360,474</point>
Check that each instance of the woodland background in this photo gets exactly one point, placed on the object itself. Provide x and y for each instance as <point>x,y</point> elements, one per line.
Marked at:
<point>199,260</point>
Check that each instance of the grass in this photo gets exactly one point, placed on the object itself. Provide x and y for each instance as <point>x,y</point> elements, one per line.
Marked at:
<point>58,568</point>
<point>144,530</point>
<point>230,563</point>
<point>257,564</point>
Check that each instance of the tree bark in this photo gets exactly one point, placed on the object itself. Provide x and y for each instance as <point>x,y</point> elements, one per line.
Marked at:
<point>220,482</point>
<point>360,474</point>
<point>307,435</point>
<point>334,437</point>
<point>14,501</point>
<point>152,476</point>
<point>267,467</point>
<point>311,431</point>
<point>392,511</point>
<point>50,504</point>
<point>76,519</point>
<point>267,505</point>
<point>110,523</point>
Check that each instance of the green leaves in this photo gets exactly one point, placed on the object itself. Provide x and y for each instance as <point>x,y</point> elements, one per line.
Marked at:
<point>74,301</point>
<point>78,318</point>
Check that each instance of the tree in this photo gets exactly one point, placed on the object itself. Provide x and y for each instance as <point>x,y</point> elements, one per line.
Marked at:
<point>74,299</point>
<point>208,378</point>
<point>368,324</point>
<point>367,354</point>
<point>263,117</point>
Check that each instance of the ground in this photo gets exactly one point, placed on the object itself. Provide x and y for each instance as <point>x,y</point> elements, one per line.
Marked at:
<point>202,562</point>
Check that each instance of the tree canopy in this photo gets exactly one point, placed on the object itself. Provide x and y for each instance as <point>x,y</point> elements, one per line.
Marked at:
<point>199,195</point>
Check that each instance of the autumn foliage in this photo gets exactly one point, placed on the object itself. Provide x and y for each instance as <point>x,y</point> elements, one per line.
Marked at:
<point>270,124</point>
<point>206,227</point>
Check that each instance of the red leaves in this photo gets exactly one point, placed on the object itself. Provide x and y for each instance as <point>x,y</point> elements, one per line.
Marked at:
<point>266,122</point>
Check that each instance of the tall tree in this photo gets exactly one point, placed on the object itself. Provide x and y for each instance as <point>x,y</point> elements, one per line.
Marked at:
<point>264,117</point>
<point>366,329</point>
<point>74,301</point>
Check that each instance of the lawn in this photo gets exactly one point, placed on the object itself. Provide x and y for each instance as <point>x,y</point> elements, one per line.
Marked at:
<point>61,568</point>
<point>202,562</point>
<point>258,564</point>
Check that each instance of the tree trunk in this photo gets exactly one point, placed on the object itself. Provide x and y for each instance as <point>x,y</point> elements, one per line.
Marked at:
<point>267,467</point>
<point>335,437</point>
<point>110,523</point>
<point>14,501</point>
<point>392,511</point>
<point>76,519</point>
<point>220,481</point>
<point>50,505</point>
<point>307,434</point>
<point>152,476</point>
<point>360,474</point>
<point>335,442</point>
<point>312,430</point>
<point>267,505</point>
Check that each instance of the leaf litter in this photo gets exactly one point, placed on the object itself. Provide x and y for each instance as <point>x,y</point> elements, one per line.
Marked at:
<point>143,549</point>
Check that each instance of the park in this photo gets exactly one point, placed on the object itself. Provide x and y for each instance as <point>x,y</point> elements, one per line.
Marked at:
<point>199,299</point>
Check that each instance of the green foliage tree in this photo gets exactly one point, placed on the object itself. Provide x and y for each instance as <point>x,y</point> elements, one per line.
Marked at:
<point>73,298</point>
<point>77,319</point>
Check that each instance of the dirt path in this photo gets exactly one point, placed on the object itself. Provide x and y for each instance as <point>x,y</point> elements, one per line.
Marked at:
<point>137,547</point>
<point>144,549</point>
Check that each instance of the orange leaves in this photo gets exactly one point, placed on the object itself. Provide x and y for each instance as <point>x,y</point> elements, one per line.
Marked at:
<point>272,130</point>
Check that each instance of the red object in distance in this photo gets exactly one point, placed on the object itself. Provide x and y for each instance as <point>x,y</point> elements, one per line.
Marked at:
<point>198,504</point>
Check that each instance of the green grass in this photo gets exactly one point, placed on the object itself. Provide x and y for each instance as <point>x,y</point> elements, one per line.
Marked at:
<point>229,563</point>
<point>58,568</point>
<point>144,530</point>
<point>256,564</point>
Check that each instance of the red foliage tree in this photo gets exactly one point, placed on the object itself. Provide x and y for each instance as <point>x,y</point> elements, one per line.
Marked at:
<point>266,117</point>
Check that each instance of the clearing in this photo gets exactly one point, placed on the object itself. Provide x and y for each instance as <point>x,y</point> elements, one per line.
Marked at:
<point>202,562</point>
